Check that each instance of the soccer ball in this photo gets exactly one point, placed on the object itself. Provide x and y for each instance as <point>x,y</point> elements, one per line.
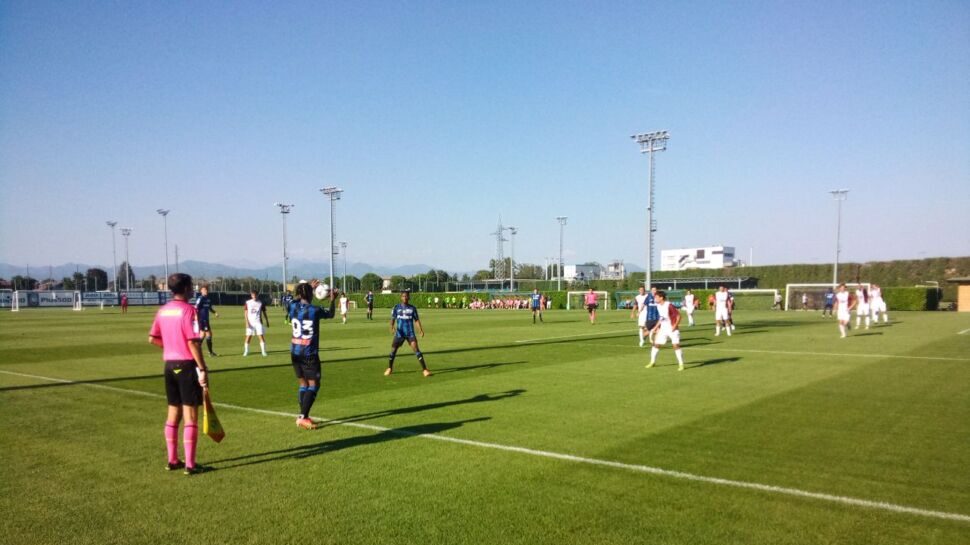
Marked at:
<point>322,291</point>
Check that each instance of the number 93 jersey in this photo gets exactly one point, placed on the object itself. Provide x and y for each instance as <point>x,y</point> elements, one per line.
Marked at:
<point>305,320</point>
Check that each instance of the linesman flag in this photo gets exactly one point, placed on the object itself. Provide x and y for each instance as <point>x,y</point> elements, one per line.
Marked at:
<point>210,422</point>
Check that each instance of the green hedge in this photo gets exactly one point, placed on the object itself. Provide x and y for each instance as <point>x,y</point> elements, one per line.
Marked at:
<point>911,298</point>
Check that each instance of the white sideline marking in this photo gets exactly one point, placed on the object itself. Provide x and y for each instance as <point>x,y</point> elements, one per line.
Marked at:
<point>792,353</point>
<point>964,332</point>
<point>845,500</point>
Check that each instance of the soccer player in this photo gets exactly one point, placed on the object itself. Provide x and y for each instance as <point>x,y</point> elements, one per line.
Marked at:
<point>843,307</point>
<point>203,306</point>
<point>730,307</point>
<point>305,346</point>
<point>344,307</point>
<point>877,304</point>
<point>536,300</point>
<point>370,304</point>
<point>777,303</point>
<point>254,314</point>
<point>285,302</point>
<point>591,305</point>
<point>804,301</point>
<point>175,331</point>
<point>639,309</point>
<point>668,326</point>
<point>404,316</point>
<point>862,305</point>
<point>721,315</point>
<point>124,303</point>
<point>829,302</point>
<point>689,304</point>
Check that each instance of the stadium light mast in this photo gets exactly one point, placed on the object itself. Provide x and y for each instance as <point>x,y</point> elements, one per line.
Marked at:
<point>512,231</point>
<point>332,193</point>
<point>114,253</point>
<point>126,232</point>
<point>343,250</point>
<point>284,211</point>
<point>562,227</point>
<point>839,195</point>
<point>164,213</point>
<point>649,143</point>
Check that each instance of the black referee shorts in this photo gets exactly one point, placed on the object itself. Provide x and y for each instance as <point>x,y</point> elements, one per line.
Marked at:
<point>182,383</point>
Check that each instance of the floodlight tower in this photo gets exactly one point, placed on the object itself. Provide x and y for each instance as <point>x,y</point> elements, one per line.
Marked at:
<point>499,250</point>
<point>332,193</point>
<point>839,195</point>
<point>284,211</point>
<point>649,143</point>
<point>114,253</point>
<point>164,213</point>
<point>343,250</point>
<point>512,231</point>
<point>562,227</point>
<point>126,232</point>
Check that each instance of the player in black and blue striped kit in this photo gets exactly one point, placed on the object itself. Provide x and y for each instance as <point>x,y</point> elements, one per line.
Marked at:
<point>305,346</point>
<point>203,305</point>
<point>404,317</point>
<point>536,305</point>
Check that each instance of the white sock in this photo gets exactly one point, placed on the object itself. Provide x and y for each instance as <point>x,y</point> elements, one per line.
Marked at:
<point>262,347</point>
<point>717,330</point>
<point>842,329</point>
<point>245,349</point>
<point>680,355</point>
<point>867,322</point>
<point>641,336</point>
<point>885,318</point>
<point>728,329</point>
<point>653,354</point>
<point>690,319</point>
<point>858,320</point>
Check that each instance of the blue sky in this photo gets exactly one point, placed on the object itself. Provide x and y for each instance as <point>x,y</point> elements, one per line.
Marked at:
<point>437,117</point>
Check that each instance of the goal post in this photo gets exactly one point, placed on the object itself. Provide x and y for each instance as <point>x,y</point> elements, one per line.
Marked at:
<point>809,296</point>
<point>576,299</point>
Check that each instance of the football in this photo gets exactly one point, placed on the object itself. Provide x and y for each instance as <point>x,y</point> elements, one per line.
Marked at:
<point>322,291</point>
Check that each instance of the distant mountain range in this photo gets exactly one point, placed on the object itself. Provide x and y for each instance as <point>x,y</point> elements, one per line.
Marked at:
<point>295,267</point>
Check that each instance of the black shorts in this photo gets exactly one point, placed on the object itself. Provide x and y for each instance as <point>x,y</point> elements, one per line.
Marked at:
<point>651,324</point>
<point>370,306</point>
<point>204,325</point>
<point>182,383</point>
<point>592,307</point>
<point>306,367</point>
<point>399,340</point>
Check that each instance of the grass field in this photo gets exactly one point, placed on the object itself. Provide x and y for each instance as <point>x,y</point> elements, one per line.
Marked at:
<point>549,433</point>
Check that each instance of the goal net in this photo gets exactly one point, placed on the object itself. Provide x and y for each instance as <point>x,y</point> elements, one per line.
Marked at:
<point>811,296</point>
<point>577,299</point>
<point>754,299</point>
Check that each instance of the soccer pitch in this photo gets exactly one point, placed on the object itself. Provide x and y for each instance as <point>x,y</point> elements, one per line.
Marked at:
<point>546,433</point>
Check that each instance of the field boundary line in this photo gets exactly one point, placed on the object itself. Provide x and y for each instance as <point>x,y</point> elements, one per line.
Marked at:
<point>773,489</point>
<point>728,349</point>
<point>964,332</point>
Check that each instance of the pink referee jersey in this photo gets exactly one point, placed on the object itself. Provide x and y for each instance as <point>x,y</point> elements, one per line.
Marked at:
<point>176,323</point>
<point>590,298</point>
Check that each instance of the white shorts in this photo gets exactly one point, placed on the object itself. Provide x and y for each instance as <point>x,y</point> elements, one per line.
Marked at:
<point>862,309</point>
<point>254,329</point>
<point>689,310</point>
<point>642,319</point>
<point>843,314</point>
<point>721,314</point>
<point>663,334</point>
<point>343,311</point>
<point>878,305</point>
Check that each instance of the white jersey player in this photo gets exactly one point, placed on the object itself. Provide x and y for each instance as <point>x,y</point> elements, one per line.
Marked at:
<point>344,307</point>
<point>843,308</point>
<point>721,315</point>
<point>640,311</point>
<point>255,313</point>
<point>690,302</point>
<point>877,304</point>
<point>862,306</point>
<point>668,327</point>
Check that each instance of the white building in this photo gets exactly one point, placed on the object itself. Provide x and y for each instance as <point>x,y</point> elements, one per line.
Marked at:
<point>615,270</point>
<point>709,257</point>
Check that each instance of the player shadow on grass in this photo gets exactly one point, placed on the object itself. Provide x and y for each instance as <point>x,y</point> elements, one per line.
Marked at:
<point>420,408</point>
<point>714,361</point>
<point>305,451</point>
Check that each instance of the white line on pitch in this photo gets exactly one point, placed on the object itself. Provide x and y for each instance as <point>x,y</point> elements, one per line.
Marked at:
<point>845,500</point>
<point>964,332</point>
<point>631,331</point>
<point>727,349</point>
